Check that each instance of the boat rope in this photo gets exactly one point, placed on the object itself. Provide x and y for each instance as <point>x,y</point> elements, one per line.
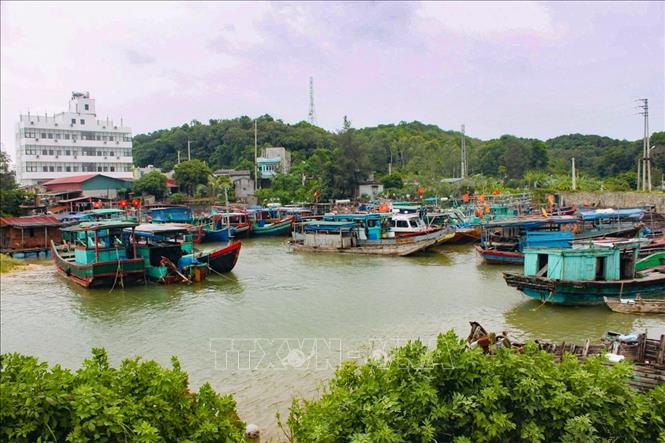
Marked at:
<point>117,272</point>
<point>219,273</point>
<point>543,302</point>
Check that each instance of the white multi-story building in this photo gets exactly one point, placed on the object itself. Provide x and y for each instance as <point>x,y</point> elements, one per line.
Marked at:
<point>71,143</point>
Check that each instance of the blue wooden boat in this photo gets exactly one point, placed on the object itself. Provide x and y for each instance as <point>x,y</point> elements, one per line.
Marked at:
<point>171,214</point>
<point>503,242</point>
<point>585,274</point>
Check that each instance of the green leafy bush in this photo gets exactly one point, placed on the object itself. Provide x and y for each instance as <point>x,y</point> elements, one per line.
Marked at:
<point>449,394</point>
<point>139,401</point>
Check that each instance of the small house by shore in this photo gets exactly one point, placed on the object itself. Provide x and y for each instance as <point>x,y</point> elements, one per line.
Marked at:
<point>23,236</point>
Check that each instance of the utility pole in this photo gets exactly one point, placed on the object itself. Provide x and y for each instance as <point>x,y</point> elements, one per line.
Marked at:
<point>646,148</point>
<point>463,166</point>
<point>178,155</point>
<point>574,175</point>
<point>256,176</point>
<point>312,112</point>
<point>189,152</point>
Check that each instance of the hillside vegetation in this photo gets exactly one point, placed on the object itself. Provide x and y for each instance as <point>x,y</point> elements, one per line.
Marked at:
<point>333,163</point>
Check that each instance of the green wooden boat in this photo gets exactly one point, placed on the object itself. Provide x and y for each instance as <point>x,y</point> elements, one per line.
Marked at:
<point>585,274</point>
<point>281,227</point>
<point>650,261</point>
<point>97,255</point>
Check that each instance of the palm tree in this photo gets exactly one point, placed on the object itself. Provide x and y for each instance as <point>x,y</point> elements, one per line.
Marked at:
<point>218,183</point>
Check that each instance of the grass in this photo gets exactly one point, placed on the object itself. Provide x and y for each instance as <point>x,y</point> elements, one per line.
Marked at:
<point>8,264</point>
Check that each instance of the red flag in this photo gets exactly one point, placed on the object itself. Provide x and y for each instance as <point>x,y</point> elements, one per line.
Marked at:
<point>465,198</point>
<point>123,203</point>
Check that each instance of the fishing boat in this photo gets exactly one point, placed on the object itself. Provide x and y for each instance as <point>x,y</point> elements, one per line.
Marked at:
<point>97,255</point>
<point>624,223</point>
<point>586,274</point>
<point>503,242</point>
<point>237,220</point>
<point>168,253</point>
<point>412,225</point>
<point>360,234</point>
<point>221,260</point>
<point>638,305</point>
<point>266,222</point>
<point>464,230</point>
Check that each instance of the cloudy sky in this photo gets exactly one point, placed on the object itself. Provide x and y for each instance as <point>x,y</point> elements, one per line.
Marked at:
<point>529,69</point>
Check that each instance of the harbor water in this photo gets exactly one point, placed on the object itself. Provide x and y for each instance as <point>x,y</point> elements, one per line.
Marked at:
<point>275,327</point>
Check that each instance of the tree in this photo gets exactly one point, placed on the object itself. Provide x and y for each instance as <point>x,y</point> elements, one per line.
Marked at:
<point>139,401</point>
<point>153,183</point>
<point>217,184</point>
<point>10,194</point>
<point>191,173</point>
<point>392,181</point>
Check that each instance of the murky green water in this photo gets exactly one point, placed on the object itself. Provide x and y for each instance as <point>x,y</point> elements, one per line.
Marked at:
<point>273,328</point>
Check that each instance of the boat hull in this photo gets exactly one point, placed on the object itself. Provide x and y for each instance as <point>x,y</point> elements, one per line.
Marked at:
<point>215,236</point>
<point>495,257</point>
<point>273,229</point>
<point>637,306</point>
<point>585,292</point>
<point>222,260</point>
<point>101,274</point>
<point>465,235</point>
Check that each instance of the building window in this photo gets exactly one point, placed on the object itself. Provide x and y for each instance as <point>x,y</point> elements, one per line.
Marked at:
<point>51,169</point>
<point>112,168</point>
<point>43,134</point>
<point>68,152</point>
<point>44,152</point>
<point>58,168</point>
<point>97,137</point>
<point>76,169</point>
<point>99,169</point>
<point>111,138</point>
<point>50,152</point>
<point>66,136</point>
<point>68,169</point>
<point>50,135</point>
<point>59,153</point>
<point>111,153</point>
<point>73,121</point>
<point>82,121</point>
<point>86,107</point>
<point>44,169</point>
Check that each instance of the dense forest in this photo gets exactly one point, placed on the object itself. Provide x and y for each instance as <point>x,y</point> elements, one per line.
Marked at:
<point>333,163</point>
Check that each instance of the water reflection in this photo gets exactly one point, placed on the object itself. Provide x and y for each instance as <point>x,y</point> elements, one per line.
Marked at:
<point>552,322</point>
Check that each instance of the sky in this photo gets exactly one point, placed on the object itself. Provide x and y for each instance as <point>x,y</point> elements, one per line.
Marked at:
<point>531,69</point>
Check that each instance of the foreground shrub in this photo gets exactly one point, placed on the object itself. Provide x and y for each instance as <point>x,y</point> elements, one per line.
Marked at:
<point>139,401</point>
<point>449,394</point>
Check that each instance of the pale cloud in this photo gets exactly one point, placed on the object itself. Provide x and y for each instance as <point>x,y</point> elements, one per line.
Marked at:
<point>486,18</point>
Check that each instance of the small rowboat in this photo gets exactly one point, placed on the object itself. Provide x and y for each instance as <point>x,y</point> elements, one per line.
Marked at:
<point>636,305</point>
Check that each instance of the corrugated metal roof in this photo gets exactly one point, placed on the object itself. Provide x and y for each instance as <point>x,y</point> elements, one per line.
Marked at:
<point>32,221</point>
<point>70,179</point>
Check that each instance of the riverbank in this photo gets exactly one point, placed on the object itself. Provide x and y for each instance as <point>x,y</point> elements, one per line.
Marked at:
<point>8,264</point>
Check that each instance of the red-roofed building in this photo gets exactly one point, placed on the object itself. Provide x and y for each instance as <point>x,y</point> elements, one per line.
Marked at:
<point>89,185</point>
<point>24,234</point>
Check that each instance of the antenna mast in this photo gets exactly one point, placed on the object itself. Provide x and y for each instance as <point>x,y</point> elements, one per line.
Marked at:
<point>312,112</point>
<point>646,148</point>
<point>463,166</point>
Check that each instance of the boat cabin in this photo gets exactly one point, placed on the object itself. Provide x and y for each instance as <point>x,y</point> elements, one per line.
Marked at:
<point>328,234</point>
<point>23,235</point>
<point>590,262</point>
<point>518,234</point>
<point>408,224</point>
<point>372,226</point>
<point>171,214</point>
<point>96,242</point>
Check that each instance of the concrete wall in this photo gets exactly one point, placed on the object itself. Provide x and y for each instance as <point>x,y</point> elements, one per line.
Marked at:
<point>614,199</point>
